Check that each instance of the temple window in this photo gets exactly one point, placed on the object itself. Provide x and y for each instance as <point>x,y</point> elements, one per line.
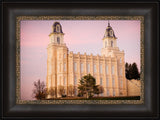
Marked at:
<point>112,70</point>
<point>107,82</point>
<point>58,29</point>
<point>114,93</point>
<point>121,83</point>
<point>75,80</point>
<point>81,67</point>
<point>101,82</point>
<point>106,69</point>
<point>101,69</point>
<point>105,44</point>
<point>107,92</point>
<point>120,60</point>
<point>58,40</point>
<point>94,68</point>
<point>111,43</point>
<point>64,82</point>
<point>64,66</point>
<point>88,67</point>
<point>120,71</point>
<point>113,82</point>
<point>75,67</point>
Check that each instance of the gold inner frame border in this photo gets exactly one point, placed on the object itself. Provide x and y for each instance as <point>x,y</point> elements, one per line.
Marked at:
<point>20,18</point>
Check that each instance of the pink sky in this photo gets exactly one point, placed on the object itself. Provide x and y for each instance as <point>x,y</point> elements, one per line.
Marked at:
<point>80,36</point>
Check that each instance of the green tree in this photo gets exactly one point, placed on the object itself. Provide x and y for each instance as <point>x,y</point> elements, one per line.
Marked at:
<point>131,71</point>
<point>127,70</point>
<point>98,89</point>
<point>87,85</point>
<point>39,91</point>
<point>81,90</point>
<point>135,73</point>
<point>101,89</point>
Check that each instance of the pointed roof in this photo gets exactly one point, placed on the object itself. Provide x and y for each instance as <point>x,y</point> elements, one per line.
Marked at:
<point>109,33</point>
<point>55,24</point>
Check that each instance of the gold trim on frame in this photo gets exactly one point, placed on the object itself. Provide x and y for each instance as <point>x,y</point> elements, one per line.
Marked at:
<point>20,18</point>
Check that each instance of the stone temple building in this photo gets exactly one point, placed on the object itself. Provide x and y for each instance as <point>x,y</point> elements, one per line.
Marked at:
<point>66,68</point>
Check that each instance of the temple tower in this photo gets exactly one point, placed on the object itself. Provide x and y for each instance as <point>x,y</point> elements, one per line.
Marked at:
<point>57,59</point>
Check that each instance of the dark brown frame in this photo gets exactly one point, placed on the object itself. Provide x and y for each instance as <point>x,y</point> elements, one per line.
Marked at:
<point>149,110</point>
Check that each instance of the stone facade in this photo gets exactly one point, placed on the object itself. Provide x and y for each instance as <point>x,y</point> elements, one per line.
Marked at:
<point>134,87</point>
<point>66,68</point>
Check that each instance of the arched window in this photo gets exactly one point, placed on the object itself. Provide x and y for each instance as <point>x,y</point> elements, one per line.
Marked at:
<point>94,68</point>
<point>81,67</point>
<point>75,81</point>
<point>64,82</point>
<point>112,69</point>
<point>106,69</point>
<point>58,29</point>
<point>75,66</point>
<point>105,44</point>
<point>111,33</point>
<point>120,60</point>
<point>120,71</point>
<point>58,40</point>
<point>101,68</point>
<point>88,67</point>
<point>121,83</point>
<point>107,92</point>
<point>113,82</point>
<point>64,66</point>
<point>107,82</point>
<point>101,82</point>
<point>114,93</point>
<point>111,43</point>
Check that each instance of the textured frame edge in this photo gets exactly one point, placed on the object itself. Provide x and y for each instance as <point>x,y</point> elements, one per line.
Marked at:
<point>19,18</point>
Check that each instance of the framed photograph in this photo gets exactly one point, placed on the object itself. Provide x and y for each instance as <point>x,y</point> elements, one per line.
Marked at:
<point>91,59</point>
<point>113,77</point>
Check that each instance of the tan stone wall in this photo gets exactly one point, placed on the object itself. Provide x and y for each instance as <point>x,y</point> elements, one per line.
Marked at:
<point>134,87</point>
<point>120,90</point>
<point>56,75</point>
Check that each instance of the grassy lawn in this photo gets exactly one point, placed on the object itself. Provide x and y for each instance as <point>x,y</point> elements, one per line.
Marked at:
<point>99,98</point>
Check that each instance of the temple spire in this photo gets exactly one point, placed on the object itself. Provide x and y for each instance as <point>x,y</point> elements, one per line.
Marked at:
<point>109,32</point>
<point>108,23</point>
<point>56,36</point>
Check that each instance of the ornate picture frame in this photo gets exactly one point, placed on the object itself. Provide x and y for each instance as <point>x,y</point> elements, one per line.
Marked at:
<point>15,108</point>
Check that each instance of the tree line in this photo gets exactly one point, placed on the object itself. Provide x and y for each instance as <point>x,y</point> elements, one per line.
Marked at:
<point>86,88</point>
<point>131,71</point>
